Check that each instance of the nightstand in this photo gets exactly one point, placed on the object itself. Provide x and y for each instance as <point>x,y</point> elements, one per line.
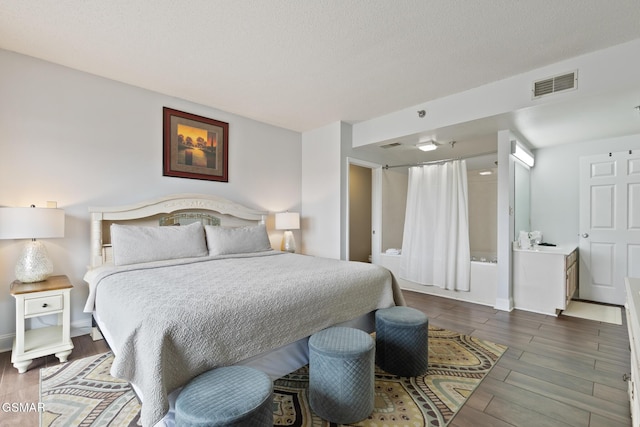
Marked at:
<point>51,296</point>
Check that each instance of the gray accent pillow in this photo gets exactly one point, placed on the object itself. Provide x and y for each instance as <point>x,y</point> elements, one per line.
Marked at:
<point>237,240</point>
<point>133,244</point>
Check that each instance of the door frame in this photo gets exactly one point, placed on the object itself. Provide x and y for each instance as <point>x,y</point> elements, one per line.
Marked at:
<point>376,207</point>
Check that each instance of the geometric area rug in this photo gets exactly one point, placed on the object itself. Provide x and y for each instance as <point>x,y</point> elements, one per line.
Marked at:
<point>83,393</point>
<point>457,365</point>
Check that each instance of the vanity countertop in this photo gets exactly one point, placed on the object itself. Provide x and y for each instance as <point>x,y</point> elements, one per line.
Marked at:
<point>560,249</point>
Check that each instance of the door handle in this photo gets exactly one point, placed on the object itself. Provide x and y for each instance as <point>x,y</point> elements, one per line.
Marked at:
<point>585,235</point>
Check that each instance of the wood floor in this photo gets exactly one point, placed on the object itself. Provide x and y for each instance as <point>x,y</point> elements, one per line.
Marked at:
<point>24,388</point>
<point>557,371</point>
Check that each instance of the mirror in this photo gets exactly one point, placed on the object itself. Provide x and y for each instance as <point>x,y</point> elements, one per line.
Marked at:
<point>522,208</point>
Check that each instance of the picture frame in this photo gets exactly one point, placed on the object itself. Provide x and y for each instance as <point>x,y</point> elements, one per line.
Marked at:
<point>195,147</point>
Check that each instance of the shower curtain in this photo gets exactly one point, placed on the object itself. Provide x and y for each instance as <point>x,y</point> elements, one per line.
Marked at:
<point>435,243</point>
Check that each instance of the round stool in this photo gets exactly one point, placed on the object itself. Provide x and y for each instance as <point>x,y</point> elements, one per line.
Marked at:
<point>227,396</point>
<point>341,374</point>
<point>402,341</point>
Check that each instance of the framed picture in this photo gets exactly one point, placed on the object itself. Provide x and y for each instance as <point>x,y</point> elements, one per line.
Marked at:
<point>195,147</point>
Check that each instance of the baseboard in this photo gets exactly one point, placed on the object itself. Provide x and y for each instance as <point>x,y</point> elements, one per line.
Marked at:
<point>6,342</point>
<point>504,304</point>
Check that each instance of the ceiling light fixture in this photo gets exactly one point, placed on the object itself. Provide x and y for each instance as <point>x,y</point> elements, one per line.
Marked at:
<point>427,145</point>
<point>484,173</point>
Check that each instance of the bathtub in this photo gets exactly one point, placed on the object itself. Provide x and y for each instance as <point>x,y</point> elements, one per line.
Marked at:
<point>483,256</point>
<point>482,287</point>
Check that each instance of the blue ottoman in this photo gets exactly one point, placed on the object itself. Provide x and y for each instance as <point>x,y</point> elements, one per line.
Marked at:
<point>341,374</point>
<point>402,341</point>
<point>228,396</point>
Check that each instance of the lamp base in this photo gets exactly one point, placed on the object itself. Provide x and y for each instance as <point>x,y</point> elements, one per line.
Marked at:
<point>34,264</point>
<point>288,242</point>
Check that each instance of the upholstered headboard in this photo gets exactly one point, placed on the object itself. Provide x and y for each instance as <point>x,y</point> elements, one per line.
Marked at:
<point>169,210</point>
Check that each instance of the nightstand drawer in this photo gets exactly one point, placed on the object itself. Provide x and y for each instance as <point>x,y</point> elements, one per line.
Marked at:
<point>42,305</point>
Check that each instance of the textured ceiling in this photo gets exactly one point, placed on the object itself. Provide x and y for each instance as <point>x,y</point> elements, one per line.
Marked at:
<point>301,64</point>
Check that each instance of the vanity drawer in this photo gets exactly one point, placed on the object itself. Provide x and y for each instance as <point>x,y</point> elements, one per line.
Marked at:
<point>42,305</point>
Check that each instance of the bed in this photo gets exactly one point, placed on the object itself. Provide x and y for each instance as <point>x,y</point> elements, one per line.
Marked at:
<point>186,283</point>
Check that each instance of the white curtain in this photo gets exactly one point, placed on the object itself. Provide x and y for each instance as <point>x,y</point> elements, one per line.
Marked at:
<point>435,244</point>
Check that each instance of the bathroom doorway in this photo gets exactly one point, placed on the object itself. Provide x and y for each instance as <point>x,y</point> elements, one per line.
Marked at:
<point>363,211</point>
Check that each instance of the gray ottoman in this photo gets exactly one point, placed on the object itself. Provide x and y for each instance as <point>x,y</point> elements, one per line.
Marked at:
<point>341,374</point>
<point>402,341</point>
<point>228,396</point>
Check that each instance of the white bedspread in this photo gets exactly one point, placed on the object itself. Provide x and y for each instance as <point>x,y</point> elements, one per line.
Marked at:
<point>171,321</point>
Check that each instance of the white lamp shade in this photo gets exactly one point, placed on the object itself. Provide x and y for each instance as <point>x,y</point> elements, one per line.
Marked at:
<point>287,221</point>
<point>34,264</point>
<point>31,223</point>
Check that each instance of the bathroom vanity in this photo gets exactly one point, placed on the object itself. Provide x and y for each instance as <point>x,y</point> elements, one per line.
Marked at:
<point>545,278</point>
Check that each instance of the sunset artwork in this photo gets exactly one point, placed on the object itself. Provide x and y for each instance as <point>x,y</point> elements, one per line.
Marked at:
<point>196,146</point>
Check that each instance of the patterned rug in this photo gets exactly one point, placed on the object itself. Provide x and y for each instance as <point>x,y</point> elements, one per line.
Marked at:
<point>82,393</point>
<point>457,365</point>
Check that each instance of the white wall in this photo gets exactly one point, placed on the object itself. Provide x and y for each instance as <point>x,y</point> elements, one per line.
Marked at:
<point>82,141</point>
<point>610,70</point>
<point>554,197</point>
<point>321,196</point>
<point>504,294</point>
<point>555,186</point>
<point>326,153</point>
<point>367,159</point>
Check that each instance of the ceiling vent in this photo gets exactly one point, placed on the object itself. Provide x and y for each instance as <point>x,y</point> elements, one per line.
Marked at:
<point>393,144</point>
<point>559,83</point>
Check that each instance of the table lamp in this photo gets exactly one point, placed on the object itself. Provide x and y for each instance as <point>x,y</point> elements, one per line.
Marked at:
<point>32,223</point>
<point>288,221</point>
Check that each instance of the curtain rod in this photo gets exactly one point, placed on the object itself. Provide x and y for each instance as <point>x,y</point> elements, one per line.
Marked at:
<point>431,162</point>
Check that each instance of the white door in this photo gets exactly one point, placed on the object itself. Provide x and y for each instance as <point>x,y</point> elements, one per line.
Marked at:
<point>609,225</point>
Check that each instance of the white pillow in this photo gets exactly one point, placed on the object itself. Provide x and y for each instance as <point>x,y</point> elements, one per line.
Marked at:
<point>133,244</point>
<point>237,240</point>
